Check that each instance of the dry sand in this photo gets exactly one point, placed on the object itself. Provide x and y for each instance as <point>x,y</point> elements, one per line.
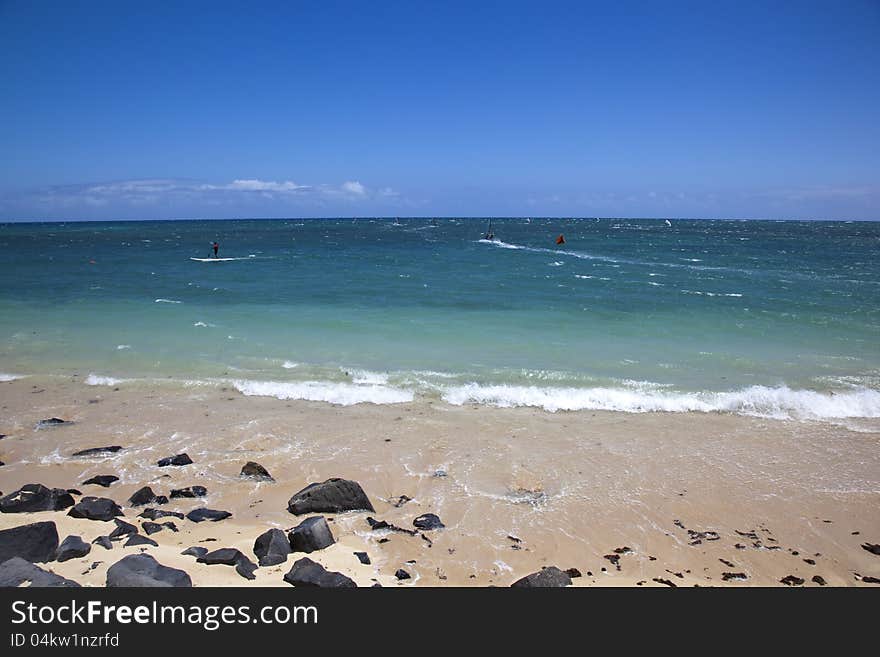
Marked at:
<point>517,489</point>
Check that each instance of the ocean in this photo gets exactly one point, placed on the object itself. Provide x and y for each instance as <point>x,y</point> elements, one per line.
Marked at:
<point>774,319</point>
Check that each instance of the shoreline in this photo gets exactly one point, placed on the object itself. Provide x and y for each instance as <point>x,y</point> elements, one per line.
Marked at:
<point>573,486</point>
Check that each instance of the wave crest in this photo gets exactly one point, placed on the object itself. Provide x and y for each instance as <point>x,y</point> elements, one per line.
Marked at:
<point>778,403</point>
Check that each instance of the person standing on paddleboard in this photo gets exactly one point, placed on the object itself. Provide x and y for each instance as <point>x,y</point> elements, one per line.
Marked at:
<point>216,247</point>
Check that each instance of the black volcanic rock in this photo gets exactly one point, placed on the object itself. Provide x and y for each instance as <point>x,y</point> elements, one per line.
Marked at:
<point>142,496</point>
<point>231,557</point>
<point>153,527</point>
<point>310,535</point>
<point>363,557</point>
<point>872,548</point>
<point>225,556</point>
<point>51,422</point>
<point>549,576</point>
<point>179,459</point>
<point>428,521</point>
<point>37,542</point>
<point>401,574</point>
<point>376,525</point>
<point>72,547</point>
<point>792,580</point>
<point>98,451</point>
<point>17,571</point>
<point>198,515</point>
<point>137,539</point>
<point>122,529</point>
<point>35,497</point>
<point>272,547</point>
<point>95,508</point>
<point>155,514</point>
<point>189,491</point>
<point>101,480</point>
<point>195,551</point>
<point>331,496</point>
<point>306,572</point>
<point>255,471</point>
<point>143,570</point>
<point>104,542</point>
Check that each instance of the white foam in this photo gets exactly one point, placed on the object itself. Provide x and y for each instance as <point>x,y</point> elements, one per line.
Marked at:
<point>120,347</point>
<point>289,365</point>
<point>167,301</point>
<point>99,380</point>
<point>343,394</point>
<point>780,402</point>
<point>365,376</point>
<point>9,377</point>
<point>712,294</point>
<point>503,245</point>
<point>205,325</point>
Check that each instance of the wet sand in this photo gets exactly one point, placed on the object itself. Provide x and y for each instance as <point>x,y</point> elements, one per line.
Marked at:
<point>627,499</point>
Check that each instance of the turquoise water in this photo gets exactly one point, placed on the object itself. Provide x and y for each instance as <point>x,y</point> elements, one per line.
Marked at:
<point>771,318</point>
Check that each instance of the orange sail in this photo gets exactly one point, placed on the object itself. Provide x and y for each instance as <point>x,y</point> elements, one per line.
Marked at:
<point>560,240</point>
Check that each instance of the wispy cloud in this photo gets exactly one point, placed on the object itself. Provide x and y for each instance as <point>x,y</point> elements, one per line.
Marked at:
<point>240,194</point>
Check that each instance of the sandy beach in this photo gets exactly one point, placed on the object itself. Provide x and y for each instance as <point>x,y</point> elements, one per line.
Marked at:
<point>626,499</point>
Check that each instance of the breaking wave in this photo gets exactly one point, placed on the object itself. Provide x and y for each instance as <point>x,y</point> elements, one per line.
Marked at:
<point>777,402</point>
<point>342,394</point>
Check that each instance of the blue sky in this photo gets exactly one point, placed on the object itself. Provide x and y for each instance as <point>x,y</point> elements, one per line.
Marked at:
<point>118,110</point>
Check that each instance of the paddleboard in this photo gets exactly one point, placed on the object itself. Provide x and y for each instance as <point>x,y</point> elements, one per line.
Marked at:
<point>215,259</point>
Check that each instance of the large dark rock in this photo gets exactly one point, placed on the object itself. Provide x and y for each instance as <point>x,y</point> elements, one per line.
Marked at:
<point>872,548</point>
<point>73,547</point>
<point>17,571</point>
<point>549,576</point>
<point>428,521</point>
<point>101,480</point>
<point>272,547</point>
<point>189,491</point>
<point>198,515</point>
<point>142,496</point>
<point>402,574</point>
<point>179,459</point>
<point>155,514</point>
<point>122,529</point>
<point>306,572</point>
<point>231,557</point>
<point>255,471</point>
<point>331,496</point>
<point>35,497</point>
<point>363,557</point>
<point>310,535</point>
<point>37,542</point>
<point>95,508</point>
<point>98,451</point>
<point>143,570</point>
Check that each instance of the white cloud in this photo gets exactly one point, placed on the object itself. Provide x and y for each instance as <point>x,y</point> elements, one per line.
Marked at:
<point>354,188</point>
<point>240,192</point>
<point>254,185</point>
